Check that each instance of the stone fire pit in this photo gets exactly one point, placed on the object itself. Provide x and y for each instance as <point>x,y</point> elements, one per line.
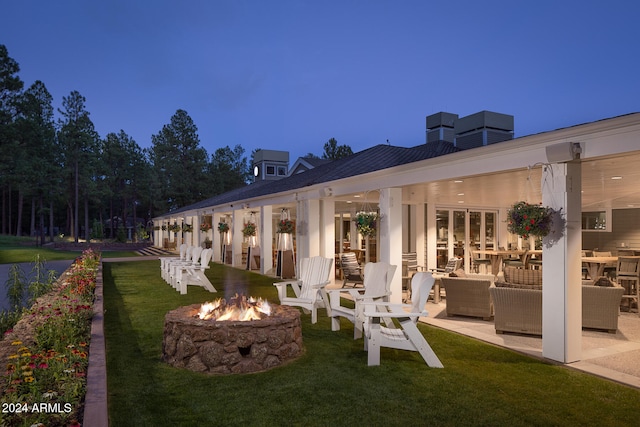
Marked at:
<point>231,346</point>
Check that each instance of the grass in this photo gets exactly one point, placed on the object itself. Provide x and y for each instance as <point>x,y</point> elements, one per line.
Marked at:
<point>331,384</point>
<point>22,249</point>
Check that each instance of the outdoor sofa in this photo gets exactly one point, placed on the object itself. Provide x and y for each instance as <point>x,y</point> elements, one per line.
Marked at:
<point>517,299</point>
<point>468,294</point>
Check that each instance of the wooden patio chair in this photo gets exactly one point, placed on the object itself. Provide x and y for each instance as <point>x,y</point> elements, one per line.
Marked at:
<point>194,274</point>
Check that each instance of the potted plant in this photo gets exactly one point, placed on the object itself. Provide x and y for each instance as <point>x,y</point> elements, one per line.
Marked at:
<point>286,226</point>
<point>205,226</point>
<point>525,219</point>
<point>174,228</point>
<point>366,223</point>
<point>223,227</point>
<point>187,228</point>
<point>249,229</point>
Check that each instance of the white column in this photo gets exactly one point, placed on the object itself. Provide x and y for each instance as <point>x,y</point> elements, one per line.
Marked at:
<point>432,236</point>
<point>266,239</point>
<point>391,236</point>
<point>308,229</point>
<point>420,234</point>
<point>237,237</point>
<point>328,231</point>
<point>197,234</point>
<point>562,272</point>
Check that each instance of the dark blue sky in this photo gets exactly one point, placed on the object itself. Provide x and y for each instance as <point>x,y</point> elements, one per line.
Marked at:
<point>289,75</point>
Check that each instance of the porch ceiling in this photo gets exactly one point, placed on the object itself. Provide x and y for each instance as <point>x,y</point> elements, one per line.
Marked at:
<point>599,190</point>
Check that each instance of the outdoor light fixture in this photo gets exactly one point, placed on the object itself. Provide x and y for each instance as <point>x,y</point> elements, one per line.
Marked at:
<point>563,152</point>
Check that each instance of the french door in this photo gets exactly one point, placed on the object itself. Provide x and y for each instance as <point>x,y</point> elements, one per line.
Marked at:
<point>460,231</point>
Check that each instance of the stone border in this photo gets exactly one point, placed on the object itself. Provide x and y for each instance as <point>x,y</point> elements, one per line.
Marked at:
<point>96,413</point>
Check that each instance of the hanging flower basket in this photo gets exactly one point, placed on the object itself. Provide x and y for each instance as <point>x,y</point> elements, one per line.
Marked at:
<point>366,223</point>
<point>164,227</point>
<point>249,229</point>
<point>223,227</point>
<point>174,228</point>
<point>187,228</point>
<point>286,226</point>
<point>205,226</point>
<point>526,220</point>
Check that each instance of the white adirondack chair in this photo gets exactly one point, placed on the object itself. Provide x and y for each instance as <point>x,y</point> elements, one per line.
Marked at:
<point>176,266</point>
<point>166,271</point>
<point>164,261</point>
<point>377,287</point>
<point>309,289</point>
<point>407,336</point>
<point>194,274</point>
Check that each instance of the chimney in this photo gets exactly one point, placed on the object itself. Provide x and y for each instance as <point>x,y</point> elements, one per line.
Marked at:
<point>440,127</point>
<point>483,128</point>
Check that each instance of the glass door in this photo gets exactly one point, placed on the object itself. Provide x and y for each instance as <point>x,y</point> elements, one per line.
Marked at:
<point>461,231</point>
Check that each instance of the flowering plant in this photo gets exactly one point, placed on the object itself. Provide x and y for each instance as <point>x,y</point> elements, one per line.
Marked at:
<point>48,354</point>
<point>223,227</point>
<point>164,227</point>
<point>249,229</point>
<point>187,228</point>
<point>205,226</point>
<point>366,223</point>
<point>286,226</point>
<point>526,220</point>
<point>174,228</point>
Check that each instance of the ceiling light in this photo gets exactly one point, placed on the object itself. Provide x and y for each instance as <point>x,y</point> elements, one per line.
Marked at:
<point>616,177</point>
<point>458,181</point>
<point>460,194</point>
<point>356,195</point>
<point>460,201</point>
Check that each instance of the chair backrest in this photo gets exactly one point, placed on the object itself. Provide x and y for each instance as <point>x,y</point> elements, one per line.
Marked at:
<point>453,264</point>
<point>188,253</point>
<point>421,285</point>
<point>410,259</point>
<point>205,258</point>
<point>349,263</point>
<point>628,266</point>
<point>377,278</point>
<point>601,253</point>
<point>195,254</point>
<point>313,271</point>
<point>183,251</point>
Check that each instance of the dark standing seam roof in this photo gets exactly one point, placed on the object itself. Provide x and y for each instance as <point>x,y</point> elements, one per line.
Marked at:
<point>372,159</point>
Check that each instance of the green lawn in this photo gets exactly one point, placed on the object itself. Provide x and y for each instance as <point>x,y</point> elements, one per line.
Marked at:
<point>23,249</point>
<point>331,384</point>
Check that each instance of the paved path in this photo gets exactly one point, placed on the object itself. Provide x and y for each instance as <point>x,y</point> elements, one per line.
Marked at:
<point>58,266</point>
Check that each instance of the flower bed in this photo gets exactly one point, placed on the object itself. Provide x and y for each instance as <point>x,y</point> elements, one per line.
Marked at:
<point>45,355</point>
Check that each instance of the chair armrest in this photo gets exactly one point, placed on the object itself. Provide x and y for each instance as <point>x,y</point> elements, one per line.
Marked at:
<point>353,292</point>
<point>320,285</point>
<point>384,314</point>
<point>369,298</point>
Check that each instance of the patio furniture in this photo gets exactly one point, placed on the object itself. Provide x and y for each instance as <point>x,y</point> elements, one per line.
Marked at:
<point>609,269</point>
<point>518,307</point>
<point>194,274</point>
<point>452,265</point>
<point>478,261</point>
<point>469,296</point>
<point>628,276</point>
<point>405,337</point>
<point>309,289</point>
<point>377,282</point>
<point>166,271</point>
<point>166,259</point>
<point>596,265</point>
<point>189,261</point>
<point>409,268</point>
<point>351,270</point>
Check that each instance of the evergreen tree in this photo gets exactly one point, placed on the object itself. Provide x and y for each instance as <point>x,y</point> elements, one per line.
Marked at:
<point>333,151</point>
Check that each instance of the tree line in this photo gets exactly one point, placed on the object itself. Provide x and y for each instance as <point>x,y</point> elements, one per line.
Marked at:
<point>59,175</point>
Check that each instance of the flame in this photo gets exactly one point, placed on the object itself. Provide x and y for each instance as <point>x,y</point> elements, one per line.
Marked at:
<point>239,308</point>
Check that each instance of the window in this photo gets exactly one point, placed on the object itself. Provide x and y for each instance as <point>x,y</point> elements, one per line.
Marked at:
<point>282,171</point>
<point>271,170</point>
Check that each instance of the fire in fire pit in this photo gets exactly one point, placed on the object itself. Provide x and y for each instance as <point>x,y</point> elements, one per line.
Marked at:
<point>206,338</point>
<point>238,308</point>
